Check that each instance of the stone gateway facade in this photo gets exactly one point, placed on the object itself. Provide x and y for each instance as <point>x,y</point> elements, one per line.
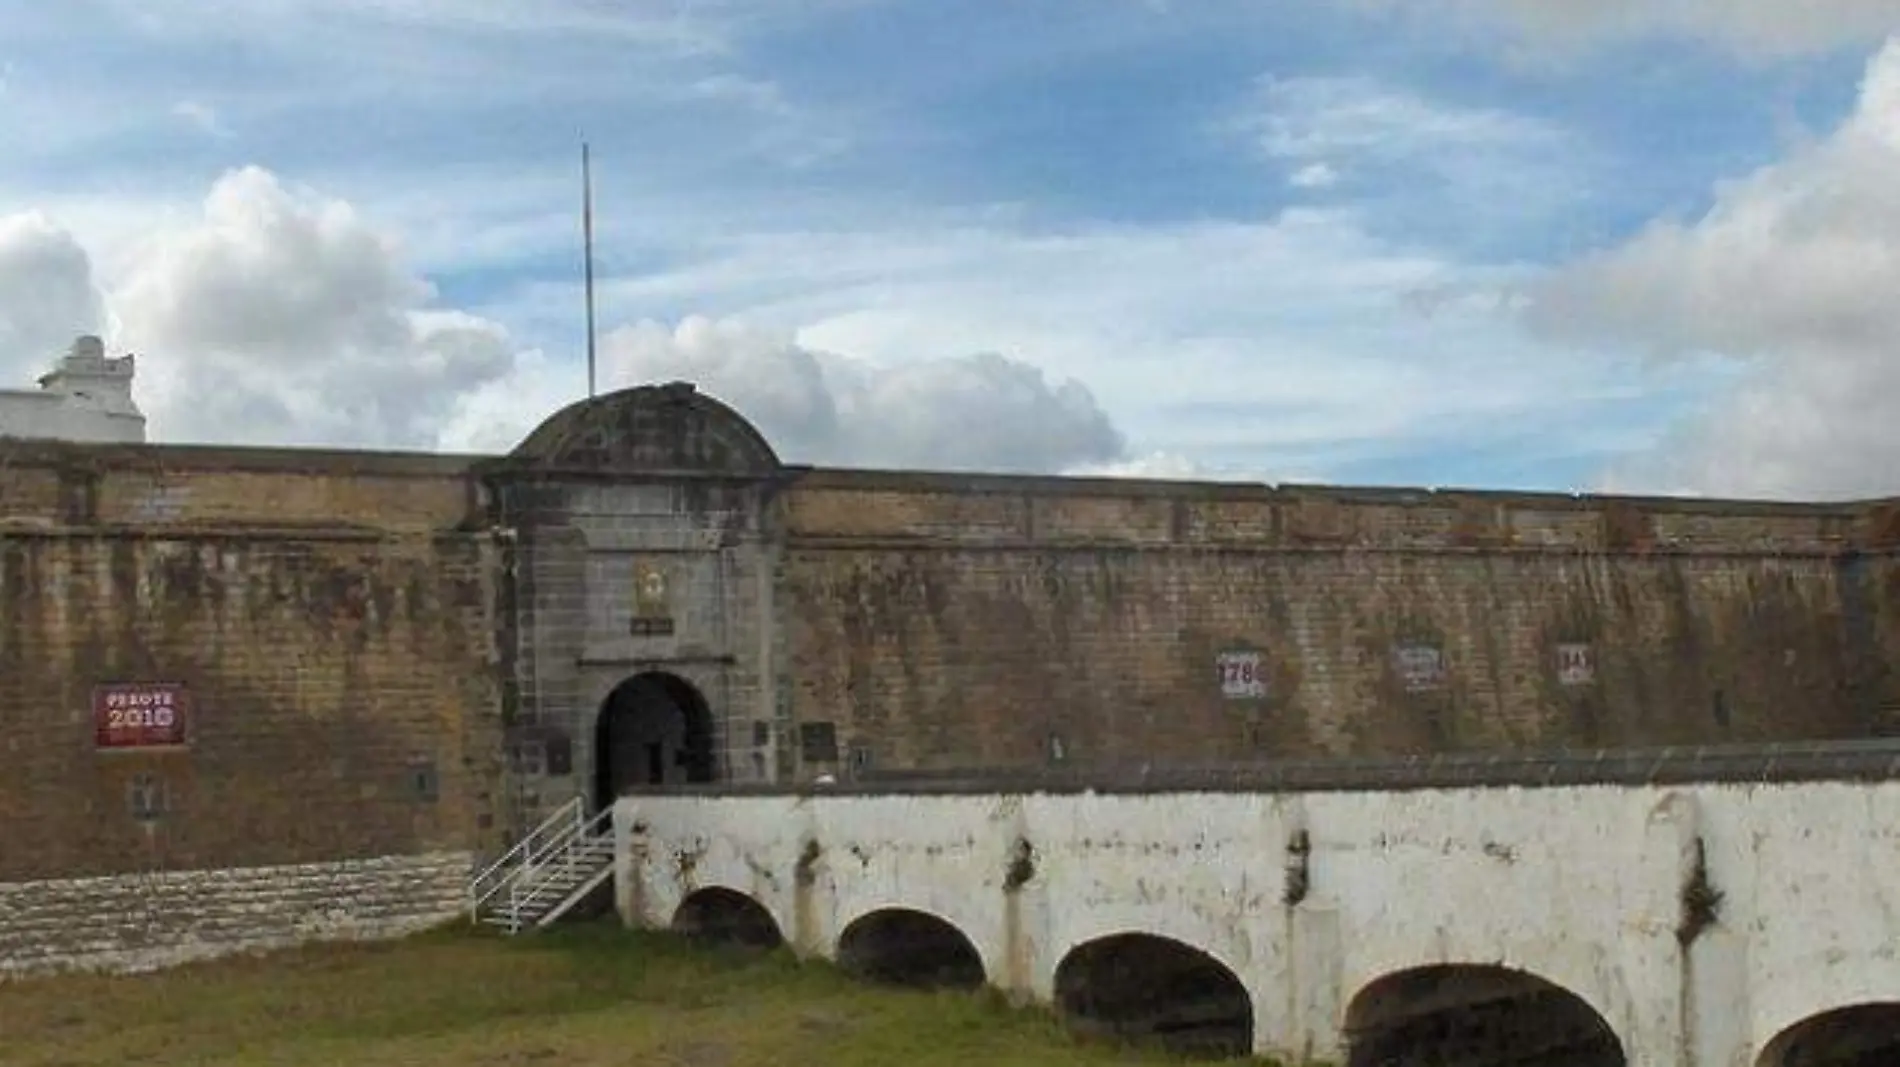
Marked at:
<point>373,670</point>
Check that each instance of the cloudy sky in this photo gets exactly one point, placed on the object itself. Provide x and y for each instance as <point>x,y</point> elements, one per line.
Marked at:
<point>1640,245</point>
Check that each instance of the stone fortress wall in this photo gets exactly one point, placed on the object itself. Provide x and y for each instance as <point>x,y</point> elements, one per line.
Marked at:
<point>328,622</point>
<point>393,664</point>
<point>988,622</point>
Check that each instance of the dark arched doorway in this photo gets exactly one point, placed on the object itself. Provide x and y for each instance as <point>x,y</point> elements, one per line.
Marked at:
<point>1150,990</point>
<point>1863,1035</point>
<point>715,916</point>
<point>653,729</point>
<point>898,946</point>
<point>1480,1015</point>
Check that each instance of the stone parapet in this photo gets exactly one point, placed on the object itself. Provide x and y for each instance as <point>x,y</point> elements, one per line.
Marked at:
<point>146,921</point>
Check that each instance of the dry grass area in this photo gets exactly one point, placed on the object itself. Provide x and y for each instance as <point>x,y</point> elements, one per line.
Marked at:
<point>588,996</point>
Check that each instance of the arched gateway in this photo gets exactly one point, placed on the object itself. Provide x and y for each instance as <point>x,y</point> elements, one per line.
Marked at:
<point>653,729</point>
<point>636,597</point>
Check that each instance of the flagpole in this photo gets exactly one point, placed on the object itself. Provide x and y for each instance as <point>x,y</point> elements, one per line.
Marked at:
<point>587,240</point>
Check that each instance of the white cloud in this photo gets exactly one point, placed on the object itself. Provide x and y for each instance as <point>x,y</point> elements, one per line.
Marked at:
<point>495,415</point>
<point>1404,148</point>
<point>1291,345</point>
<point>273,314</point>
<point>425,68</point>
<point>279,316</point>
<point>1321,117</point>
<point>1166,466</point>
<point>1755,28</point>
<point>201,117</point>
<point>1794,270</point>
<point>695,27</point>
<point>47,295</point>
<point>792,133</point>
<point>1318,175</point>
<point>977,412</point>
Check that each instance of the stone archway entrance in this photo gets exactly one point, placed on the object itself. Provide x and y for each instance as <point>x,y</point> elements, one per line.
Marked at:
<point>653,729</point>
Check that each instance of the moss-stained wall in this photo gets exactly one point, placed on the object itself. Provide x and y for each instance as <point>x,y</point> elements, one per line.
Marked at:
<point>334,630</point>
<point>972,622</point>
<point>337,616</point>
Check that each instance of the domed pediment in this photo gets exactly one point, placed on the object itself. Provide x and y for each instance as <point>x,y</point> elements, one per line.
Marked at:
<point>670,428</point>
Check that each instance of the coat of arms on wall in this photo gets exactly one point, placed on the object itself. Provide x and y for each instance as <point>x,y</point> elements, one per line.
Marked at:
<point>652,608</point>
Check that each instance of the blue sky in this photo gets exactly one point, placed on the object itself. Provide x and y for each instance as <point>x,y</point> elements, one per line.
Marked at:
<point>1471,243</point>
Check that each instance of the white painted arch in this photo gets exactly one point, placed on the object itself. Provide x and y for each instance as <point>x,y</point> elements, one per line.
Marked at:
<point>1578,886</point>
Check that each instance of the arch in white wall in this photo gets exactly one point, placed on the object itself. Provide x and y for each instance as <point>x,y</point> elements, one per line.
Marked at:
<point>1475,1014</point>
<point>1857,1035</point>
<point>1151,989</point>
<point>909,947</point>
<point>722,916</point>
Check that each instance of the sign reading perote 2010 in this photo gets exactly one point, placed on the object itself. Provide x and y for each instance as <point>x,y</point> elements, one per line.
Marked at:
<point>140,715</point>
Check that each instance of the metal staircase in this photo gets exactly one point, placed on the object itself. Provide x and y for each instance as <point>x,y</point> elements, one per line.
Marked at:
<point>548,872</point>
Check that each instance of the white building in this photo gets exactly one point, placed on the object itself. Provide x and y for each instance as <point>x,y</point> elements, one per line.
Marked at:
<point>86,397</point>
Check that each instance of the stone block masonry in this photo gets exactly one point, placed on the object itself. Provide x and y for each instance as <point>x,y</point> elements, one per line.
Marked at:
<point>328,625</point>
<point>390,656</point>
<point>955,622</point>
<point>341,700</point>
<point>141,922</point>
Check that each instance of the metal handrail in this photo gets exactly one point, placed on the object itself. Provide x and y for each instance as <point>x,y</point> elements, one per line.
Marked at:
<point>563,848</point>
<point>523,853</point>
<point>525,889</point>
<point>569,836</point>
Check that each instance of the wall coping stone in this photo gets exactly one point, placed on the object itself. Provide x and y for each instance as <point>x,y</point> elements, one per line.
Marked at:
<point>1829,761</point>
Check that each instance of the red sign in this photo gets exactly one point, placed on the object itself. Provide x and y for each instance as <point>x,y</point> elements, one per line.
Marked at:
<point>140,714</point>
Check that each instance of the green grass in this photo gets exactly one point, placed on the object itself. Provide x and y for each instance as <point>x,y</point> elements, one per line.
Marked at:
<point>574,997</point>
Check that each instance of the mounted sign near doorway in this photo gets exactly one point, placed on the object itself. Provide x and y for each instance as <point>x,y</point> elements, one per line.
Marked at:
<point>652,607</point>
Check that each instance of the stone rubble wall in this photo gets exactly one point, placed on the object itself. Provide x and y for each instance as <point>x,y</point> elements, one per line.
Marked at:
<point>142,922</point>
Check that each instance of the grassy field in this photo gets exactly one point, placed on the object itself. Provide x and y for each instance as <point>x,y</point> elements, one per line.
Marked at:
<point>587,996</point>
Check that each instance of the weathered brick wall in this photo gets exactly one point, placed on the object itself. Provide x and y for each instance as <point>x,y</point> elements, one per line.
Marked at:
<point>336,633</point>
<point>968,622</point>
<point>156,487</point>
<point>376,679</point>
<point>1871,608</point>
<point>327,676</point>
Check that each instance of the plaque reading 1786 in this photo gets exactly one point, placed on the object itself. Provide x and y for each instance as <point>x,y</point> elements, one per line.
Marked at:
<point>1242,674</point>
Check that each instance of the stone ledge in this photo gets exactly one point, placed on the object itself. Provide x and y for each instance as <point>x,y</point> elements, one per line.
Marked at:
<point>1876,760</point>
<point>150,920</point>
<point>963,541</point>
